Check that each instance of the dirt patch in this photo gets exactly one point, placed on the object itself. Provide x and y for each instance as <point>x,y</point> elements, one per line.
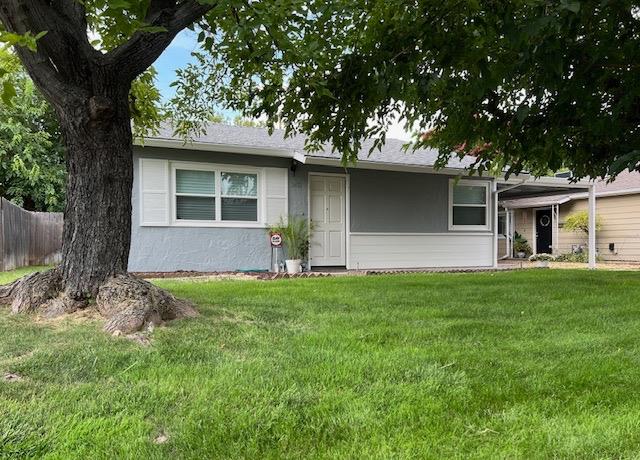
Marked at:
<point>10,377</point>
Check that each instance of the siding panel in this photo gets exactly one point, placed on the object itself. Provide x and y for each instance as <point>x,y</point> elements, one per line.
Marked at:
<point>377,250</point>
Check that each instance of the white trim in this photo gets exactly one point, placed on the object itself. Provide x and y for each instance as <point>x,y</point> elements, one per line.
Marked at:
<point>487,205</point>
<point>218,169</point>
<point>420,234</point>
<point>212,147</point>
<point>400,167</point>
<point>347,210</point>
<point>592,227</point>
<point>142,191</point>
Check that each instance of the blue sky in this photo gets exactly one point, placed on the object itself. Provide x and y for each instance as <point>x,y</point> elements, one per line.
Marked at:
<point>178,55</point>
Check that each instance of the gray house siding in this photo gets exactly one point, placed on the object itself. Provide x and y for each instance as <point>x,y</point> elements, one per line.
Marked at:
<point>205,248</point>
<point>380,202</point>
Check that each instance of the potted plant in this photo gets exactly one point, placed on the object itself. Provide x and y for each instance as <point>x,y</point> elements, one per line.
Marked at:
<point>521,247</point>
<point>296,235</point>
<point>542,259</point>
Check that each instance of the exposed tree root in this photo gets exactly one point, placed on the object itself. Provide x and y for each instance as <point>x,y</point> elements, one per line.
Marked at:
<point>129,304</point>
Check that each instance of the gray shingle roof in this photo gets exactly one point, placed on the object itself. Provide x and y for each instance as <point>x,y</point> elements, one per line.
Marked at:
<point>241,136</point>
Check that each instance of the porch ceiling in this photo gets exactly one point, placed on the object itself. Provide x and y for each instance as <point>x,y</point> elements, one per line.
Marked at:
<point>544,191</point>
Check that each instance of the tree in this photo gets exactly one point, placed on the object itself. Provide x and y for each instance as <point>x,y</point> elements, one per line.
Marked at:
<point>524,85</point>
<point>32,172</point>
<point>579,222</point>
<point>91,92</point>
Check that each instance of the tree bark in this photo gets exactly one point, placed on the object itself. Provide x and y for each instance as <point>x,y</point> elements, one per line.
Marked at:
<point>97,219</point>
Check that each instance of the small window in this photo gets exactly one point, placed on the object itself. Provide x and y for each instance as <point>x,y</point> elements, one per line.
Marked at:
<point>195,195</point>
<point>502,225</point>
<point>468,205</point>
<point>239,196</point>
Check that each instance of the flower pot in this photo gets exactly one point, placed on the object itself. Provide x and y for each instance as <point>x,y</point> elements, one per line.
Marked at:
<point>521,255</point>
<point>543,263</point>
<point>293,266</point>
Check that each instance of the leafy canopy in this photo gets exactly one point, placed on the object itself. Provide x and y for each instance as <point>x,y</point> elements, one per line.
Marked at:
<point>32,166</point>
<point>527,84</point>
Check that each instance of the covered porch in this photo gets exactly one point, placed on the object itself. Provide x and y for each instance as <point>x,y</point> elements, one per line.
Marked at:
<point>537,201</point>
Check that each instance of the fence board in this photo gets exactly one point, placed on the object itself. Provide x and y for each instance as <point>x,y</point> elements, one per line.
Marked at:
<point>28,238</point>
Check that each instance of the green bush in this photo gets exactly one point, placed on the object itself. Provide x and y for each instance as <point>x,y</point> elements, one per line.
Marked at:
<point>581,257</point>
<point>520,244</point>
<point>296,234</point>
<point>579,222</point>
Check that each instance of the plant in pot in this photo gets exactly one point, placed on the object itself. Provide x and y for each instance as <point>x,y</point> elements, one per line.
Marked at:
<point>296,235</point>
<point>542,259</point>
<point>521,246</point>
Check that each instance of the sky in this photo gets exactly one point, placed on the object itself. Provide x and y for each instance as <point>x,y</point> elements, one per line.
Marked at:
<point>178,55</point>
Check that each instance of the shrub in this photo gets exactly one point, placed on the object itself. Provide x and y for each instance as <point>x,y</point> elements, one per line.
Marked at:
<point>296,234</point>
<point>520,244</point>
<point>579,222</point>
<point>542,258</point>
<point>576,257</point>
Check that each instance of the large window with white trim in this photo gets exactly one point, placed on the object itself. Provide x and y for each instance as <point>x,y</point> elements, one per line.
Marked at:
<point>468,205</point>
<point>216,194</point>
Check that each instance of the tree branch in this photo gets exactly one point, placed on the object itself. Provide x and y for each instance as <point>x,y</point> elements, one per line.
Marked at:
<point>48,66</point>
<point>136,55</point>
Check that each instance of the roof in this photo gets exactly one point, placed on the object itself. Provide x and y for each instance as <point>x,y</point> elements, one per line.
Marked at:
<point>220,136</point>
<point>624,182</point>
<point>536,201</point>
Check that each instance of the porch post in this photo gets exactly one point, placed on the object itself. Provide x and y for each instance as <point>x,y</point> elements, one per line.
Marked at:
<point>592,226</point>
<point>495,223</point>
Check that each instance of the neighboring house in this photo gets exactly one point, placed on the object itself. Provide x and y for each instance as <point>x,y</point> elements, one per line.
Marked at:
<point>541,220</point>
<point>205,205</point>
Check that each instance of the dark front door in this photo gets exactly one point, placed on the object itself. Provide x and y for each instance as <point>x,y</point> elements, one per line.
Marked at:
<point>543,231</point>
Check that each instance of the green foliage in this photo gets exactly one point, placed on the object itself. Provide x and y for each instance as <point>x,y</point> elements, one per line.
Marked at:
<point>528,364</point>
<point>532,85</point>
<point>520,244</point>
<point>144,101</point>
<point>579,222</point>
<point>296,235</point>
<point>575,257</point>
<point>542,258</point>
<point>32,167</point>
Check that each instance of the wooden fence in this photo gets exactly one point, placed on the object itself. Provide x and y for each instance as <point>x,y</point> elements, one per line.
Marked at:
<point>28,238</point>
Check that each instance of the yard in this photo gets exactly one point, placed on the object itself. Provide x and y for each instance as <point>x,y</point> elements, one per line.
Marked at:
<point>513,364</point>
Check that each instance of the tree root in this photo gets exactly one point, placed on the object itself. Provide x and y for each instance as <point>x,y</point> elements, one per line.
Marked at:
<point>129,304</point>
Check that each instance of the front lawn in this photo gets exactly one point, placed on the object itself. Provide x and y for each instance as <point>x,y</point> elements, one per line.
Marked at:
<point>512,365</point>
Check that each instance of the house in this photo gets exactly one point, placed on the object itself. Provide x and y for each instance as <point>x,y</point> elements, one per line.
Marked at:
<point>205,205</point>
<point>541,220</point>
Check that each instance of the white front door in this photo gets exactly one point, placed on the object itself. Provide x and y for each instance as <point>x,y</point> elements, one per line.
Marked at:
<point>327,203</point>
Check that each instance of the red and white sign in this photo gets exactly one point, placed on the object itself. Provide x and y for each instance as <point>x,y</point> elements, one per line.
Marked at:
<point>276,240</point>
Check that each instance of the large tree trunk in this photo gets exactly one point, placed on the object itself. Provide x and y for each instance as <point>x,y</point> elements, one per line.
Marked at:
<point>97,226</point>
<point>97,220</point>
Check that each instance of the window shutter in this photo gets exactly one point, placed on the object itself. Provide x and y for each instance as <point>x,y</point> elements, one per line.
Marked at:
<point>277,202</point>
<point>154,191</point>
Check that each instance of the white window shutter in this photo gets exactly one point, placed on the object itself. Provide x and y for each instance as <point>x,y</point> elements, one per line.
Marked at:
<point>154,192</point>
<point>277,201</point>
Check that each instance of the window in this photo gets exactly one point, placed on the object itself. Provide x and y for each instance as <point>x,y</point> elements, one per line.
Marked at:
<point>211,195</point>
<point>239,196</point>
<point>195,195</point>
<point>468,205</point>
<point>502,225</point>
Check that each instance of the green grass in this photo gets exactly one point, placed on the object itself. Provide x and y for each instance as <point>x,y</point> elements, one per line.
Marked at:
<point>532,364</point>
<point>7,277</point>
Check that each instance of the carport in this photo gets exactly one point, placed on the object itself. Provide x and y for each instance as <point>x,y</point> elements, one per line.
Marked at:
<point>545,194</point>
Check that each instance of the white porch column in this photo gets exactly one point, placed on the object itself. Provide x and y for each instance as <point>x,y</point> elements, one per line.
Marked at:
<point>495,223</point>
<point>592,226</point>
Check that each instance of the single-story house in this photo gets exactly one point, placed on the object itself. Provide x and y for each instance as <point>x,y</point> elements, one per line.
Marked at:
<point>541,219</point>
<point>206,205</point>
